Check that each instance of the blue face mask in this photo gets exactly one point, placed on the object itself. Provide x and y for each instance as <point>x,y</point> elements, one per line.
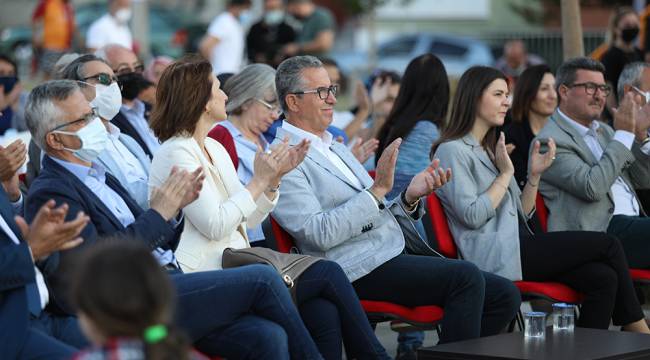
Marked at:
<point>8,82</point>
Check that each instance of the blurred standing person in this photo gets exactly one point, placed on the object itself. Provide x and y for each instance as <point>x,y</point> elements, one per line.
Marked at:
<point>625,25</point>
<point>112,28</point>
<point>223,44</point>
<point>316,34</point>
<point>268,36</point>
<point>515,60</point>
<point>53,28</point>
<point>12,97</point>
<point>152,74</point>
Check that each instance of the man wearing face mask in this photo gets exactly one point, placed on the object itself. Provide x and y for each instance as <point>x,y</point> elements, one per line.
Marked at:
<point>623,51</point>
<point>223,43</point>
<point>266,38</point>
<point>112,28</point>
<point>132,116</point>
<point>123,157</point>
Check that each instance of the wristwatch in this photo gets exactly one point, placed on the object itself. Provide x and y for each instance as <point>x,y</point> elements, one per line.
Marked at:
<point>411,205</point>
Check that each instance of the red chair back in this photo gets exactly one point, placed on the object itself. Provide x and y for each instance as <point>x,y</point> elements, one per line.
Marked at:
<point>441,231</point>
<point>542,211</point>
<point>284,243</point>
<point>223,136</point>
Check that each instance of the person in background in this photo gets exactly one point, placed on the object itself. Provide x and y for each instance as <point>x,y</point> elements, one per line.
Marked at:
<point>132,119</point>
<point>515,60</point>
<point>487,212</point>
<point>141,326</point>
<point>267,37</point>
<point>383,87</point>
<point>12,97</point>
<point>53,30</point>
<point>317,29</point>
<point>112,28</point>
<point>223,44</point>
<point>534,101</point>
<point>225,207</point>
<point>152,74</point>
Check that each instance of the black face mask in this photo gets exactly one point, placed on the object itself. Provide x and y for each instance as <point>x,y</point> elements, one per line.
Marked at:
<point>8,82</point>
<point>131,83</point>
<point>629,34</point>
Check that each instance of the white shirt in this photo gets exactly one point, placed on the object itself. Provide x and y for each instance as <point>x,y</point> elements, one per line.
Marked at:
<point>625,202</point>
<point>40,282</point>
<point>228,54</point>
<point>129,165</point>
<point>106,30</point>
<point>322,145</point>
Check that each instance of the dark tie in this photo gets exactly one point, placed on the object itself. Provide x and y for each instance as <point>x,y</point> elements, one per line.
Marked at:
<point>33,299</point>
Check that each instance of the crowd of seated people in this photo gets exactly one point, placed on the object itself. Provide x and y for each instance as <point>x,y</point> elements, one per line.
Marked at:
<point>115,242</point>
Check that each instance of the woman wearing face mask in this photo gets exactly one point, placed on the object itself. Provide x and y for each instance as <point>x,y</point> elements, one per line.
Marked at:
<point>625,30</point>
<point>120,154</point>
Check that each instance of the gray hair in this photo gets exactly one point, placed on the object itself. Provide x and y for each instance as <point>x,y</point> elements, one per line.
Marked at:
<point>631,75</point>
<point>253,82</point>
<point>103,51</point>
<point>288,77</point>
<point>41,112</point>
<point>566,73</point>
<point>75,69</point>
<point>63,61</point>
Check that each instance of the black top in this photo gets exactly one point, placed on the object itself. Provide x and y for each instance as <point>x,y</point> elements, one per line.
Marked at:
<point>520,135</point>
<point>615,60</point>
<point>263,42</point>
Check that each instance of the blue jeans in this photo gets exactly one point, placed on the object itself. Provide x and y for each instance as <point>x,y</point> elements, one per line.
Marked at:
<point>333,314</point>
<point>476,303</point>
<point>242,313</point>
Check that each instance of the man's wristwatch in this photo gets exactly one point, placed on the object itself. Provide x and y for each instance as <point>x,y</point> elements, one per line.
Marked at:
<point>409,205</point>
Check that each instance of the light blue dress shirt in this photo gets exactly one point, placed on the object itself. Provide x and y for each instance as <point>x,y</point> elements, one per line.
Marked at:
<point>246,154</point>
<point>94,178</point>
<point>135,115</point>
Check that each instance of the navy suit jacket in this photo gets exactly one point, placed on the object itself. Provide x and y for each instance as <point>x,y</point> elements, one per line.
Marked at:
<point>16,271</point>
<point>127,128</point>
<point>56,182</point>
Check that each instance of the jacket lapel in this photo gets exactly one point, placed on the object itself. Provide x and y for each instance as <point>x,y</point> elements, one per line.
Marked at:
<point>355,166</point>
<point>564,125</point>
<point>480,153</point>
<point>7,212</point>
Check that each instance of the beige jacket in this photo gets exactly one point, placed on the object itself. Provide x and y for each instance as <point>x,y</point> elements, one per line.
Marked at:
<point>217,219</point>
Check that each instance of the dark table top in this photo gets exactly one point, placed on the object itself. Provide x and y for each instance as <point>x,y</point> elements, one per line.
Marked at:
<point>580,344</point>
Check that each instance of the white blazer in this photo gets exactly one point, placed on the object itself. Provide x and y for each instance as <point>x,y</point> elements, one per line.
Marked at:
<point>217,219</point>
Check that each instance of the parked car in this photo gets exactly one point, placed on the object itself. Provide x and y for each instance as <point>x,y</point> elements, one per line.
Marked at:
<point>457,53</point>
<point>168,31</point>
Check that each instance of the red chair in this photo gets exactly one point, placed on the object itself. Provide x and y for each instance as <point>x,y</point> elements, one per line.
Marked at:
<point>436,224</point>
<point>640,276</point>
<point>421,317</point>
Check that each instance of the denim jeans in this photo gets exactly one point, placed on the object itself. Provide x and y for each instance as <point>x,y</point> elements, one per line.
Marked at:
<point>333,314</point>
<point>242,313</point>
<point>476,303</point>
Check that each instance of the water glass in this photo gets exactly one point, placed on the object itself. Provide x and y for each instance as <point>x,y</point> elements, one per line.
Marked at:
<point>563,317</point>
<point>534,324</point>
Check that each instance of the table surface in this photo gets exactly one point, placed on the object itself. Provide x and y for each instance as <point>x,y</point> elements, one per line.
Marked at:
<point>580,344</point>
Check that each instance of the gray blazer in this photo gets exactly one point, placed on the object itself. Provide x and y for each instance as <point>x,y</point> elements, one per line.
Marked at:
<point>577,186</point>
<point>138,190</point>
<point>330,217</point>
<point>487,237</point>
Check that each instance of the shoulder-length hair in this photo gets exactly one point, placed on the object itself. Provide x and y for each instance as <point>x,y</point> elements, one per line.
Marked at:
<point>423,95</point>
<point>183,90</point>
<point>526,91</point>
<point>464,111</point>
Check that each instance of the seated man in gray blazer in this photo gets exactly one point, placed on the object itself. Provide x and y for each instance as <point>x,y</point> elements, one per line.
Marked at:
<point>123,157</point>
<point>333,209</point>
<point>591,184</point>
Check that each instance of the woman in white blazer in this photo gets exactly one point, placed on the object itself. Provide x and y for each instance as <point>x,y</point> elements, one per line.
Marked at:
<point>218,218</point>
<point>487,212</point>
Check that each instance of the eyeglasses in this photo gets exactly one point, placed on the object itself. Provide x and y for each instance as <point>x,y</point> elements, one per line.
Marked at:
<point>590,88</point>
<point>125,69</point>
<point>102,78</point>
<point>85,120</point>
<point>323,92</point>
<point>271,107</point>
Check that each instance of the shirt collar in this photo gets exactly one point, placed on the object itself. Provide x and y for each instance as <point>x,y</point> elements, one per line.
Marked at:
<point>113,131</point>
<point>323,142</point>
<point>82,171</point>
<point>239,137</point>
<point>581,129</point>
<point>137,108</point>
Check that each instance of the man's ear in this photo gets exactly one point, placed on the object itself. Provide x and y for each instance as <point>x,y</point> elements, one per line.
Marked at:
<point>292,102</point>
<point>562,91</point>
<point>52,141</point>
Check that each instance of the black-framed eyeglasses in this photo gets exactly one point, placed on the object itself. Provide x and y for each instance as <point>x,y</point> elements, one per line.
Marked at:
<point>85,120</point>
<point>590,88</point>
<point>102,78</point>
<point>323,92</point>
<point>271,106</point>
<point>138,68</point>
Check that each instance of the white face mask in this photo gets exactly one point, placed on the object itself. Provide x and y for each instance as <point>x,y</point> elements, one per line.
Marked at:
<point>645,94</point>
<point>93,137</point>
<point>108,100</point>
<point>123,15</point>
